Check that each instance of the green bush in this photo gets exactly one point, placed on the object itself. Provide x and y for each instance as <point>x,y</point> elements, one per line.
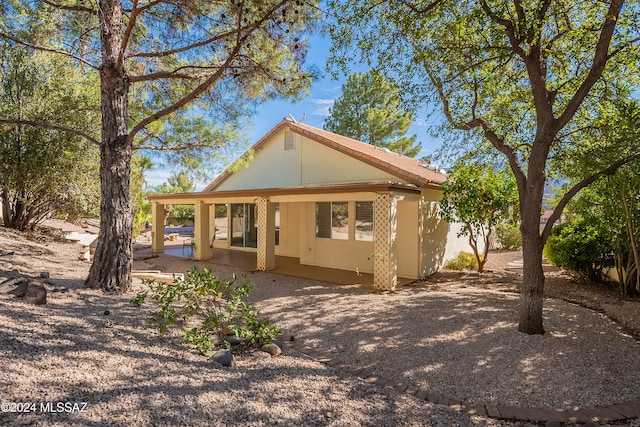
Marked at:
<point>509,236</point>
<point>582,247</point>
<point>181,214</point>
<point>220,306</point>
<point>464,261</point>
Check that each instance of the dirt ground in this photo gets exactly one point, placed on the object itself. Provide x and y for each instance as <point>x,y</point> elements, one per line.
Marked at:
<point>349,321</point>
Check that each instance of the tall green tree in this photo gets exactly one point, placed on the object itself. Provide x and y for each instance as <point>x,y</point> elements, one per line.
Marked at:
<point>191,68</point>
<point>613,203</point>
<point>369,110</point>
<point>479,197</point>
<point>46,171</point>
<point>523,74</point>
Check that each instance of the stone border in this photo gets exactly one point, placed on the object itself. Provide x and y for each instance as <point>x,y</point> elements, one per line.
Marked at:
<point>553,416</point>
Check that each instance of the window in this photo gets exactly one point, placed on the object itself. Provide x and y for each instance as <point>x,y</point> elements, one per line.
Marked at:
<point>220,222</point>
<point>364,221</point>
<point>332,220</point>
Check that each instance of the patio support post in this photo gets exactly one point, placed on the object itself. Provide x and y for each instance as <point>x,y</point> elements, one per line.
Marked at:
<point>266,256</point>
<point>201,231</point>
<point>157,227</point>
<point>385,264</point>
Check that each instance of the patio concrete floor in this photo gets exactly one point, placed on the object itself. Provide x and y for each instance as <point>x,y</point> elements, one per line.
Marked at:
<point>287,266</point>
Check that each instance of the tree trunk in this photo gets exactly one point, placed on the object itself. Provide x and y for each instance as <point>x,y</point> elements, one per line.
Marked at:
<point>111,268</point>
<point>531,294</point>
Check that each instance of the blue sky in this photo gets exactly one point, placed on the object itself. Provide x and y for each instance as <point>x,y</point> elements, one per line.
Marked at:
<point>314,109</point>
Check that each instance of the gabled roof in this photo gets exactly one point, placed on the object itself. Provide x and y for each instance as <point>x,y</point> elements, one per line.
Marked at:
<point>401,166</point>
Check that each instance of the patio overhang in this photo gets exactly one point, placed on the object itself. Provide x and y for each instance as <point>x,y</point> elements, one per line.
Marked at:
<point>310,193</point>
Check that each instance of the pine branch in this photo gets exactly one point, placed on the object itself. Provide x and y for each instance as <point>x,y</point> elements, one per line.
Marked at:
<point>43,125</point>
<point>46,49</point>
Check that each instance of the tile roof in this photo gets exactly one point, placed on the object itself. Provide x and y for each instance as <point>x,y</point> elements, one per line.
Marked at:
<point>403,167</point>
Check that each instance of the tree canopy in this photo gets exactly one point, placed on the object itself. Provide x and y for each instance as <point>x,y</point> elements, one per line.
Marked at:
<point>370,111</point>
<point>173,75</point>
<point>479,198</point>
<point>526,75</point>
<point>613,203</point>
<point>45,171</point>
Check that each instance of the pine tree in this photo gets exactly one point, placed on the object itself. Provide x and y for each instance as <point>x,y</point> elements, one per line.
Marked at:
<point>369,110</point>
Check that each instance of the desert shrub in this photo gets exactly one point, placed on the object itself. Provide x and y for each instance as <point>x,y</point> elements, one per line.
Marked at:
<point>509,236</point>
<point>582,247</point>
<point>182,214</point>
<point>219,305</point>
<point>464,261</point>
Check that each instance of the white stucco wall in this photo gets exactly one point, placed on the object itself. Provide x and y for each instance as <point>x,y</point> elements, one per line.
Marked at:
<point>440,241</point>
<point>271,167</point>
<point>324,165</point>
<point>341,254</point>
<point>309,163</point>
<point>408,239</point>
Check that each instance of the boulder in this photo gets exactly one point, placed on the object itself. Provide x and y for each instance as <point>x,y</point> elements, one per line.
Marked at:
<point>260,355</point>
<point>32,291</point>
<point>278,343</point>
<point>272,349</point>
<point>234,340</point>
<point>224,357</point>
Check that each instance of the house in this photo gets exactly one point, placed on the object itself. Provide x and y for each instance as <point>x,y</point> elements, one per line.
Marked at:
<point>326,200</point>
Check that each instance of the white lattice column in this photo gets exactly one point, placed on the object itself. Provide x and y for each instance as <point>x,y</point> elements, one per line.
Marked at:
<point>266,257</point>
<point>385,265</point>
<point>157,227</point>
<point>201,231</point>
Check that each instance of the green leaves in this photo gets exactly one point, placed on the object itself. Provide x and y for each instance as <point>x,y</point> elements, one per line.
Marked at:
<point>369,110</point>
<point>219,305</point>
<point>480,198</point>
<point>582,246</point>
<point>44,170</point>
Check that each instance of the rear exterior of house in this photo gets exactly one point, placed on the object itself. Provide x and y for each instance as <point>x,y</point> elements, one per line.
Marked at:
<point>328,201</point>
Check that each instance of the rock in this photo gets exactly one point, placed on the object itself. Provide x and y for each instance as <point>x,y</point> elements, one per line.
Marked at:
<point>224,357</point>
<point>272,349</point>
<point>44,275</point>
<point>234,340</point>
<point>106,312</point>
<point>4,286</point>
<point>278,343</point>
<point>31,290</point>
<point>260,355</point>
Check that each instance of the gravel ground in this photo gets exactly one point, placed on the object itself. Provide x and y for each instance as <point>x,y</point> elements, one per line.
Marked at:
<point>455,336</point>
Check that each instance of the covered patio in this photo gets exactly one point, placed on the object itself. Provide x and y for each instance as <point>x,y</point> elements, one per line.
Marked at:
<point>285,265</point>
<point>277,231</point>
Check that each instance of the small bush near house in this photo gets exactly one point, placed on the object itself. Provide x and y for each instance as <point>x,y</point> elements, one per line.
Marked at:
<point>464,261</point>
<point>509,236</point>
<point>580,247</point>
<point>219,306</point>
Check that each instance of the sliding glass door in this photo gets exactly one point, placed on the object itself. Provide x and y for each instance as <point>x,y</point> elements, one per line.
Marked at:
<point>244,232</point>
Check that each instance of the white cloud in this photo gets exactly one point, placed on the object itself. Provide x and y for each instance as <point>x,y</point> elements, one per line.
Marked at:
<point>322,106</point>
